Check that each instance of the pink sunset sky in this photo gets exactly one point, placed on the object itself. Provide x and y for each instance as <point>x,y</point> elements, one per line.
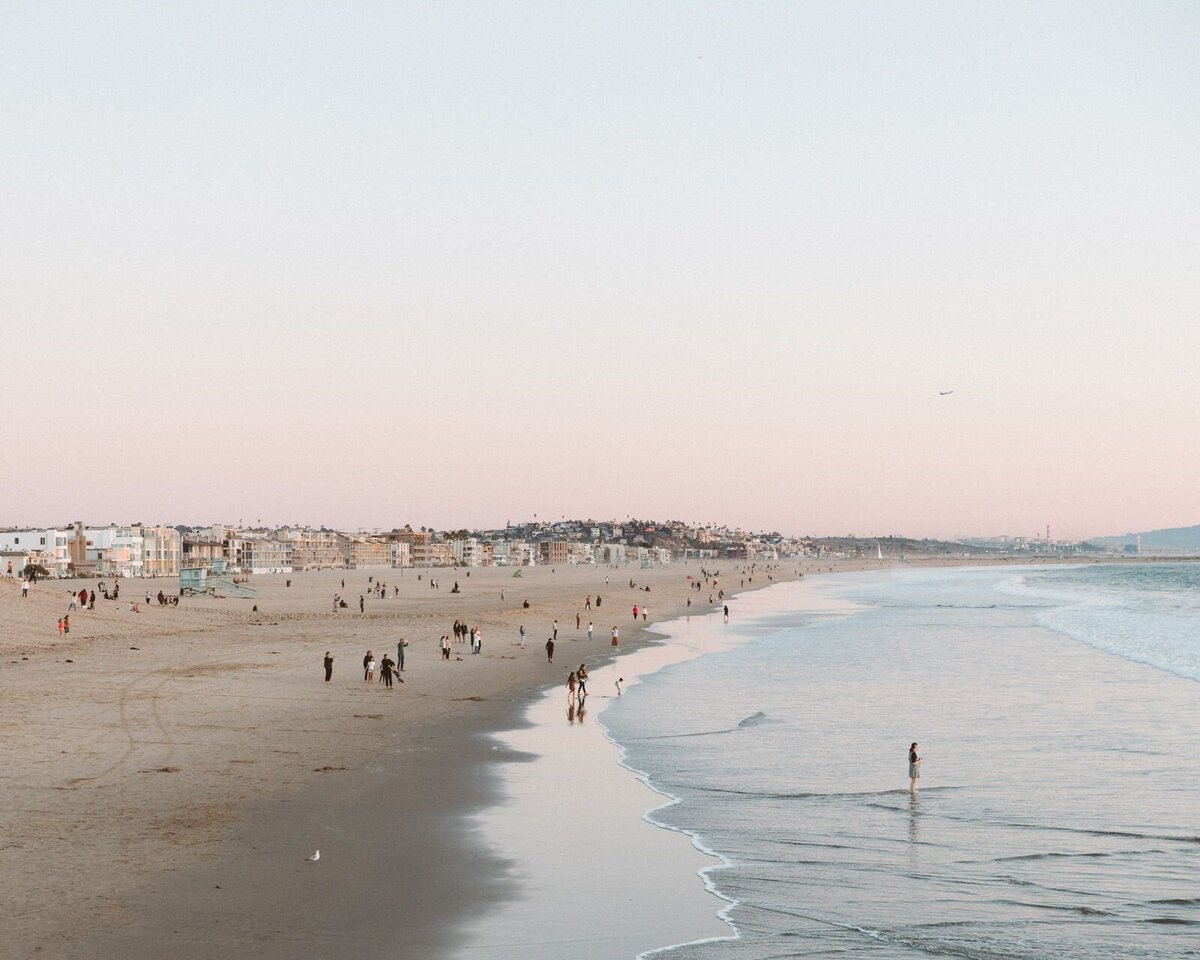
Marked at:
<point>452,265</point>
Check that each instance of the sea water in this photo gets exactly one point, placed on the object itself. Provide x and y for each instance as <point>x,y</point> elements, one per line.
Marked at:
<point>1058,815</point>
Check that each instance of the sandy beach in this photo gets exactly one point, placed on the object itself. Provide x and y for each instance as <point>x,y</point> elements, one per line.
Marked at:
<point>168,771</point>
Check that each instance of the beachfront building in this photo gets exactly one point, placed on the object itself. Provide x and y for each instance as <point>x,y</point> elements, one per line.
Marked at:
<point>122,556</point>
<point>162,551</point>
<point>267,555</point>
<point>500,552</point>
<point>398,554</point>
<point>553,552</point>
<point>610,552</point>
<point>24,548</point>
<point>314,549</point>
<point>468,552</point>
<point>578,552</point>
<point>236,550</point>
<point>361,551</point>
<point>200,552</point>
<point>419,542</point>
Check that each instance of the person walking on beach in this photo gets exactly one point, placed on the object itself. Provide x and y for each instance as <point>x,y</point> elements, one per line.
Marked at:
<point>620,680</point>
<point>616,637</point>
<point>522,636</point>
<point>645,613</point>
<point>400,645</point>
<point>549,649</point>
<point>361,604</point>
<point>445,645</point>
<point>635,611</point>
<point>581,677</point>
<point>368,665</point>
<point>914,768</point>
<point>578,620</point>
<point>571,687</point>
<point>726,613</point>
<point>328,667</point>
<point>555,634</point>
<point>24,588</point>
<point>589,629</point>
<point>587,604</point>
<point>385,671</point>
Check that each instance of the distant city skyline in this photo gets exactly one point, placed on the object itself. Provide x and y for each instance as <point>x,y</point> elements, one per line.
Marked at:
<point>452,263</point>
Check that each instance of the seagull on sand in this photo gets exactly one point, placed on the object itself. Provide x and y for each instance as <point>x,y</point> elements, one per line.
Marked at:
<point>314,858</point>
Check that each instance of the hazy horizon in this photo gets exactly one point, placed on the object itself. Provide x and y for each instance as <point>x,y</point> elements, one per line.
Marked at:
<point>446,264</point>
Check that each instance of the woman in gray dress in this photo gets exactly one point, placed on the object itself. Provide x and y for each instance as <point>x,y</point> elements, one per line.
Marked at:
<point>914,768</point>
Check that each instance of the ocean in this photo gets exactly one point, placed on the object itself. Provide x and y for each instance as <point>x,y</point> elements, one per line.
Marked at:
<point>1058,713</point>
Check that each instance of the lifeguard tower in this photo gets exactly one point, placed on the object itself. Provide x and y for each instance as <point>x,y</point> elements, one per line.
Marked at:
<point>212,581</point>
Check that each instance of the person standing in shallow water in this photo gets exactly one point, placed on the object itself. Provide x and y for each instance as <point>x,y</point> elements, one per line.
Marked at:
<point>914,768</point>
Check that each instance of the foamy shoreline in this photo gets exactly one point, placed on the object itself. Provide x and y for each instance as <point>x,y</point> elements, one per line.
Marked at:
<point>654,878</point>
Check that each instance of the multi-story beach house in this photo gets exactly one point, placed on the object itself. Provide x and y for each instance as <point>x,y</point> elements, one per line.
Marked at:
<point>467,551</point>
<point>162,551</point>
<point>552,551</point>
<point>314,549</point>
<point>270,555</point>
<point>201,552</point>
<point>362,551</point>
<point>418,542</point>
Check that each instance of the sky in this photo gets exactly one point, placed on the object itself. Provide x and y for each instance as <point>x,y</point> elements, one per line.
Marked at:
<point>455,263</point>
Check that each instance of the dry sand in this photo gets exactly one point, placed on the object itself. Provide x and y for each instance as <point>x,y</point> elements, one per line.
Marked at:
<point>167,772</point>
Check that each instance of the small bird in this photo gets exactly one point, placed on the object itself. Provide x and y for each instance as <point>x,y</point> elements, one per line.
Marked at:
<point>944,393</point>
<point>314,858</point>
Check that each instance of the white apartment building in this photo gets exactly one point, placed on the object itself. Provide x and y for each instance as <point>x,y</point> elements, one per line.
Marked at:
<point>467,551</point>
<point>400,553</point>
<point>265,555</point>
<point>610,553</point>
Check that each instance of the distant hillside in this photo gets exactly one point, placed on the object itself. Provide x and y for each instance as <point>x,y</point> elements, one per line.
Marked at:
<point>1174,539</point>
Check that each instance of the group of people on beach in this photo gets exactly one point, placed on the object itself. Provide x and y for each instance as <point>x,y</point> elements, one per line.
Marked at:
<point>463,633</point>
<point>389,672</point>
